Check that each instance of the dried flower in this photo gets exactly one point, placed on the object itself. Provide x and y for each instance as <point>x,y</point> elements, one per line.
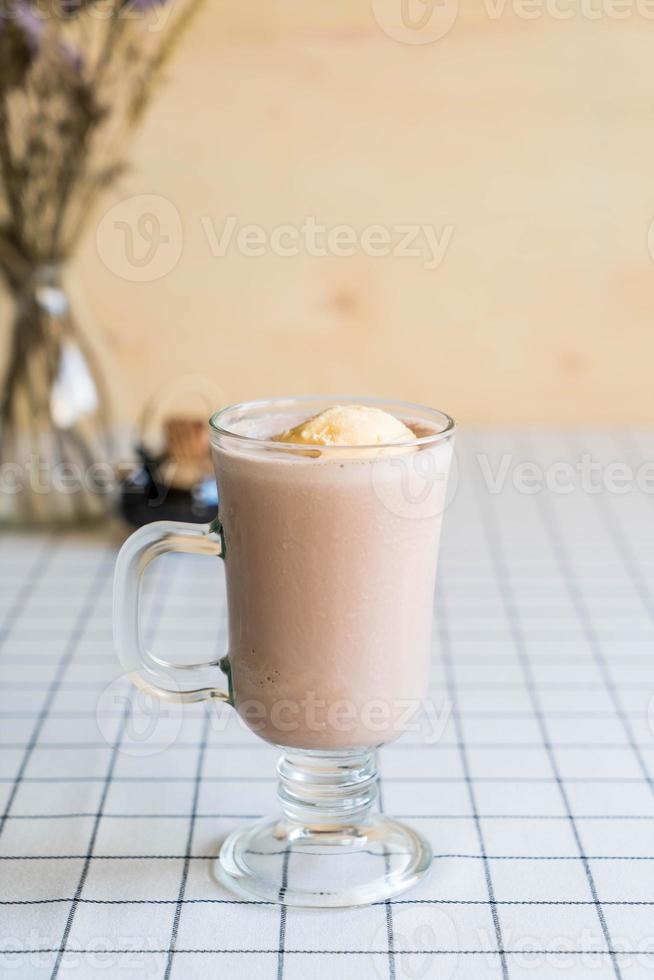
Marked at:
<point>75,76</point>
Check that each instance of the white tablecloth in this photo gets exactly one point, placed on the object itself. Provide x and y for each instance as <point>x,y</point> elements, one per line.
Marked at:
<point>537,797</point>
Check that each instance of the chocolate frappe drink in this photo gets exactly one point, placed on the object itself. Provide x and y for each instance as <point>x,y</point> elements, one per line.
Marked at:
<point>331,528</point>
<point>330,514</point>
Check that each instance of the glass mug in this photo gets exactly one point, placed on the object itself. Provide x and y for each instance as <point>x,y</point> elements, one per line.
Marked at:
<point>330,556</point>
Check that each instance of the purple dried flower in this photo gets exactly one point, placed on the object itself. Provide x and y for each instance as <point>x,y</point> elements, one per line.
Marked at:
<point>20,39</point>
<point>32,27</point>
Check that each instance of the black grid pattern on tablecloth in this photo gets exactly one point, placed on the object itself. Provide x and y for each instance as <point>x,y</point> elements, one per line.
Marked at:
<point>537,797</point>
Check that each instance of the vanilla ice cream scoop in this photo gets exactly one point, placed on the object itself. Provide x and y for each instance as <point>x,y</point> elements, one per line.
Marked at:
<point>348,425</point>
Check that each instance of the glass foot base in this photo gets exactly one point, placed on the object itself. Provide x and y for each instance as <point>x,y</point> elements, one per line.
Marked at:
<point>323,867</point>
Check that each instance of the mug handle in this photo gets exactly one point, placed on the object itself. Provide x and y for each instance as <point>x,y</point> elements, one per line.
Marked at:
<point>147,671</point>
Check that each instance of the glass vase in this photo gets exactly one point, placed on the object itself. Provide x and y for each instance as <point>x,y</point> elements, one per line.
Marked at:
<point>55,434</point>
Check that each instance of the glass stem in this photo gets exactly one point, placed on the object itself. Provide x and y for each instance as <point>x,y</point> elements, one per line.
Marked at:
<point>322,792</point>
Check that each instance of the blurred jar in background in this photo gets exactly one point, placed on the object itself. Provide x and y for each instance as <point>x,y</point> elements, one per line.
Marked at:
<point>172,475</point>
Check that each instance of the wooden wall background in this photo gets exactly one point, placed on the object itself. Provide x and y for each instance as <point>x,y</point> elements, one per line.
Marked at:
<point>531,137</point>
